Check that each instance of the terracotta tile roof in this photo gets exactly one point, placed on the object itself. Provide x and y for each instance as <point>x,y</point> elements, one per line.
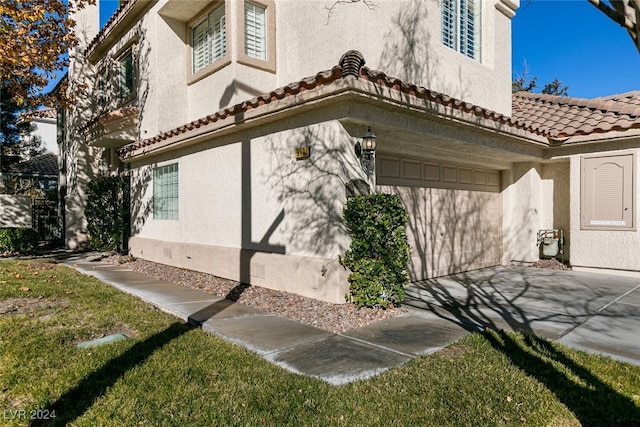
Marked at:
<point>46,113</point>
<point>558,117</point>
<point>351,63</point>
<point>109,117</point>
<point>319,79</point>
<point>42,165</point>
<point>111,22</point>
<point>550,116</point>
<point>632,98</point>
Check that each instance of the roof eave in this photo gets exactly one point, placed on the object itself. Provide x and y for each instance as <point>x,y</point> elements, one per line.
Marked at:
<point>346,89</point>
<point>128,14</point>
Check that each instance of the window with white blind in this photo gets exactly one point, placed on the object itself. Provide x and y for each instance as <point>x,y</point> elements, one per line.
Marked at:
<point>165,192</point>
<point>209,39</point>
<point>607,193</point>
<point>461,26</point>
<point>257,39</point>
<point>255,30</point>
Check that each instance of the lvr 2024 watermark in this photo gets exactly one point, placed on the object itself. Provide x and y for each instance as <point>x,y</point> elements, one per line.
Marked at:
<point>31,414</point>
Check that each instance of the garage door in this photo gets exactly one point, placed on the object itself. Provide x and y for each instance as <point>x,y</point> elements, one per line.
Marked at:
<point>454,214</point>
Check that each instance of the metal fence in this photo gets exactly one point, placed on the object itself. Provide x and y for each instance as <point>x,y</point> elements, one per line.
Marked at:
<point>46,220</point>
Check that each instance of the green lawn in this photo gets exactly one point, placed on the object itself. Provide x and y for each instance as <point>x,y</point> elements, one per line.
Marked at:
<point>171,374</point>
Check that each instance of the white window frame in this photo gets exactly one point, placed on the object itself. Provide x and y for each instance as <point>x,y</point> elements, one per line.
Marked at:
<point>166,183</point>
<point>216,45</point>
<point>246,50</point>
<point>461,27</point>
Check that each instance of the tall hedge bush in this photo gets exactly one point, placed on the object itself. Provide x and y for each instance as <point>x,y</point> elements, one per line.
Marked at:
<point>106,213</point>
<point>378,257</point>
<point>20,240</point>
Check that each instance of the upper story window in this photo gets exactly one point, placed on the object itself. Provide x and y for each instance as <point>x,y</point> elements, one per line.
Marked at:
<point>255,30</point>
<point>461,26</point>
<point>257,40</point>
<point>209,39</point>
<point>126,76</point>
<point>116,80</point>
<point>103,89</point>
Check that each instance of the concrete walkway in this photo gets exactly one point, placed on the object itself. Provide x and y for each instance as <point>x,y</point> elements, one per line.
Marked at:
<point>591,312</point>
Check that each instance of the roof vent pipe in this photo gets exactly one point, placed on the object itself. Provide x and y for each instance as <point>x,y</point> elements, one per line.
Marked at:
<point>351,62</point>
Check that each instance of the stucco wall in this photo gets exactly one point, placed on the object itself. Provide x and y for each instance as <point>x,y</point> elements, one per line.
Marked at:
<point>534,198</point>
<point>79,160</point>
<point>15,211</point>
<point>248,210</point>
<point>399,37</point>
<point>602,248</point>
<point>402,38</point>
<point>556,188</point>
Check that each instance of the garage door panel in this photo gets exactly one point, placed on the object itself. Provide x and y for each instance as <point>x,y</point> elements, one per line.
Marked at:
<point>450,229</point>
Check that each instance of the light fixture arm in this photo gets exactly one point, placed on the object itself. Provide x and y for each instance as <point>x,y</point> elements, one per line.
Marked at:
<point>366,152</point>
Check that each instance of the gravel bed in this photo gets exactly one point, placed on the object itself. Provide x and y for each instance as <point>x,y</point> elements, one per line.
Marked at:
<point>335,318</point>
<point>551,264</point>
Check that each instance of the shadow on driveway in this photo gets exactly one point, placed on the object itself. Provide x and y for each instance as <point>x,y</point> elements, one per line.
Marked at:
<point>540,303</point>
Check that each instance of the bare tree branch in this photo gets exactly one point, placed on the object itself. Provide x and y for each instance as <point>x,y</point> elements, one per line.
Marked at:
<point>625,13</point>
<point>330,9</point>
<point>613,14</point>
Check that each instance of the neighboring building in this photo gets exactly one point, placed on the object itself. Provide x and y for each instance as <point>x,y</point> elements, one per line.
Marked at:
<point>39,173</point>
<point>45,129</point>
<point>182,100</point>
<point>31,178</point>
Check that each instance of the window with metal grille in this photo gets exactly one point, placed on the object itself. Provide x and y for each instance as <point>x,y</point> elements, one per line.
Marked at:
<point>209,39</point>
<point>165,192</point>
<point>255,30</point>
<point>461,26</point>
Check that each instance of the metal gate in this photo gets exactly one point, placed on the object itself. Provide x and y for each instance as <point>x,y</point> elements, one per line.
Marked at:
<point>46,221</point>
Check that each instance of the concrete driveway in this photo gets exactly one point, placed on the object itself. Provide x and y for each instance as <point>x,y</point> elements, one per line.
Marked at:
<point>593,312</point>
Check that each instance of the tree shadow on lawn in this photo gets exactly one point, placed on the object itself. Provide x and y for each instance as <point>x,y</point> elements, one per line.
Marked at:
<point>78,400</point>
<point>593,402</point>
<point>492,300</point>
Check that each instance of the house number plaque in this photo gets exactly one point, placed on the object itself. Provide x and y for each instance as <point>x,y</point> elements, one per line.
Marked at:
<point>303,152</point>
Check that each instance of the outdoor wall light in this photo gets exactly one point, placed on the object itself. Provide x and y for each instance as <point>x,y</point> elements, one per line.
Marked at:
<point>366,152</point>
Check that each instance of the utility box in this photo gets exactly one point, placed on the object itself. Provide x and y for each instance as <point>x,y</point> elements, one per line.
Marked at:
<point>551,242</point>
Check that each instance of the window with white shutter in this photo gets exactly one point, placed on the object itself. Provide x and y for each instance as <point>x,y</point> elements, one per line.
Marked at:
<point>209,40</point>
<point>258,35</point>
<point>255,30</point>
<point>607,193</point>
<point>461,26</point>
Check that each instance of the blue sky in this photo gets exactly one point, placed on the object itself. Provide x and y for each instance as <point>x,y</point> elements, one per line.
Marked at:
<point>578,44</point>
<point>567,39</point>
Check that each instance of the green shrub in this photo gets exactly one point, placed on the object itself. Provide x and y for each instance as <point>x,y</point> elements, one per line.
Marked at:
<point>22,240</point>
<point>106,213</point>
<point>379,253</point>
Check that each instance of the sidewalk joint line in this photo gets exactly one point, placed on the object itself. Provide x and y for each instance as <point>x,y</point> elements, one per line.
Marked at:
<point>598,311</point>
<point>361,341</point>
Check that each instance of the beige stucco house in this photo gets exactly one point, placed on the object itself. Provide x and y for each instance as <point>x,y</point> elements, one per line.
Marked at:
<point>240,165</point>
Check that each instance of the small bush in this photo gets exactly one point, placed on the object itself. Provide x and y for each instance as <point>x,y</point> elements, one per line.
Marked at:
<point>379,253</point>
<point>21,240</point>
<point>106,213</point>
